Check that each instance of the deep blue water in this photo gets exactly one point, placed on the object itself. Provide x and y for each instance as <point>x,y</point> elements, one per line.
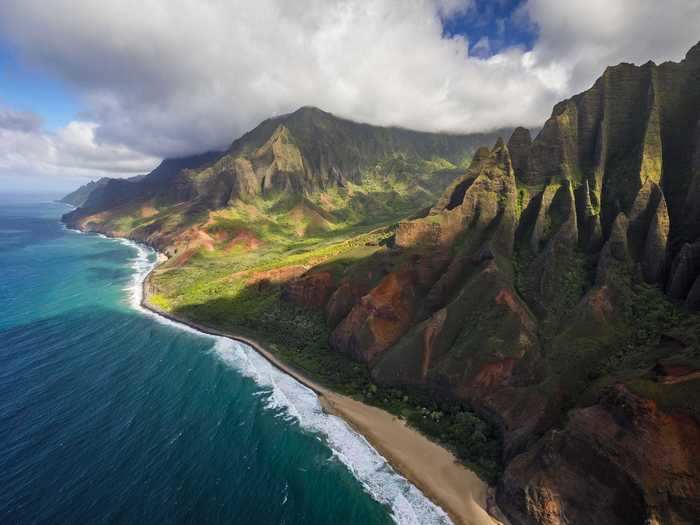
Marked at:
<point>109,414</point>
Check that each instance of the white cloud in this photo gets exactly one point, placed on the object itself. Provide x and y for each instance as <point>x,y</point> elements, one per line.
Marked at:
<point>482,47</point>
<point>174,77</point>
<point>580,38</point>
<point>170,77</point>
<point>71,152</point>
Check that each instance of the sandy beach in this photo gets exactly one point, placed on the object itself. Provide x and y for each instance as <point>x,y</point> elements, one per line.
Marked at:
<point>430,467</point>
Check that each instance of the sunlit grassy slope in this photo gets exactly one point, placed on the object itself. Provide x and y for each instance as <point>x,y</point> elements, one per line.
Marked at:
<point>334,227</point>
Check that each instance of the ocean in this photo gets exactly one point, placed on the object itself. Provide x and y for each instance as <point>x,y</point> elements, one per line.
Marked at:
<point>109,413</point>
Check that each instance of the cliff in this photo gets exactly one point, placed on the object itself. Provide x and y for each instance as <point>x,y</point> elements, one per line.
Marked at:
<point>78,197</point>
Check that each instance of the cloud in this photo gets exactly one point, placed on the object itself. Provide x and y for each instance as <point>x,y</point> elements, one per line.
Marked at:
<point>482,47</point>
<point>71,152</point>
<point>448,8</point>
<point>171,77</point>
<point>580,38</point>
<point>18,120</point>
<point>175,77</point>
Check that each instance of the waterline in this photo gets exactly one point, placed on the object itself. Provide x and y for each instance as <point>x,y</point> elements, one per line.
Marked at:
<point>293,401</point>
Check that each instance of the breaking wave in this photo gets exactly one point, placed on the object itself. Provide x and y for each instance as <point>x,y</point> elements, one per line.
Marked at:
<point>296,403</point>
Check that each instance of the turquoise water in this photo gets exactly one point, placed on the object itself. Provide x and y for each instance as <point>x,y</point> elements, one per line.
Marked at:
<point>111,414</point>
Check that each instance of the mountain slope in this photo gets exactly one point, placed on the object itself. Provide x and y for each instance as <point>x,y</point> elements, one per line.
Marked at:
<point>291,160</point>
<point>78,197</point>
<point>300,191</point>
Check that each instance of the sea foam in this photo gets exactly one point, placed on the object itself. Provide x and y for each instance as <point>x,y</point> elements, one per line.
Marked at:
<point>295,402</point>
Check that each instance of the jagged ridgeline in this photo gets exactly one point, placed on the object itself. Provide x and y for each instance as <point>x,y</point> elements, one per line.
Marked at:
<point>308,172</point>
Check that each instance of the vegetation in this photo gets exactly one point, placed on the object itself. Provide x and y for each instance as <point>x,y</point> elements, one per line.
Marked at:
<point>657,331</point>
<point>472,439</point>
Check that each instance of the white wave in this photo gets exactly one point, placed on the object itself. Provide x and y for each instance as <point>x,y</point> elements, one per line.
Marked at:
<point>293,401</point>
<point>407,503</point>
<point>66,228</point>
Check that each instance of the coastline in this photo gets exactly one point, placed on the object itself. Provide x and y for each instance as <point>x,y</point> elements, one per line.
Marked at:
<point>433,469</point>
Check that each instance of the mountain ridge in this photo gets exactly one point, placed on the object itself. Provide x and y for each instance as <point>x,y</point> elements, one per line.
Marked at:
<point>289,157</point>
<point>256,138</point>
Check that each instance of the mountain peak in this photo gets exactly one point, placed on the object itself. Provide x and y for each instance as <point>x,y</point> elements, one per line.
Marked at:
<point>305,114</point>
<point>308,116</point>
<point>309,110</point>
<point>693,54</point>
<point>297,154</point>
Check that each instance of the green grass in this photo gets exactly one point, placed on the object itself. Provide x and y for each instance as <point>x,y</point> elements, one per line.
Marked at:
<point>334,227</point>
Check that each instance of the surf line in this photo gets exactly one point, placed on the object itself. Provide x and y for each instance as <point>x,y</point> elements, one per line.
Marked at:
<point>296,398</point>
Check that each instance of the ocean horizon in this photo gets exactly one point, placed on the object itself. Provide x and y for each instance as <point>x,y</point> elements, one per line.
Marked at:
<point>110,412</point>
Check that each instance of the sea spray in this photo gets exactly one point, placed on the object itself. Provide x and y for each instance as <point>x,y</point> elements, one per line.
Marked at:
<point>295,402</point>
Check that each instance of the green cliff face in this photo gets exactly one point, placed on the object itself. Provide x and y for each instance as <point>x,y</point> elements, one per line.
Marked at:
<point>548,285</point>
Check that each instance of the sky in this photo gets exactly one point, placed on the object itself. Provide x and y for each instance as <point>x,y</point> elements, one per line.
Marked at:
<point>91,89</point>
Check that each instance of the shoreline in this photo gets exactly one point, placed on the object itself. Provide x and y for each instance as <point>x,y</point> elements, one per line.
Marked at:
<point>433,469</point>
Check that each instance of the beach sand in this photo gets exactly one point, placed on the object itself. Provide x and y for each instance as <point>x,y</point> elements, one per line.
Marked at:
<point>430,467</point>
